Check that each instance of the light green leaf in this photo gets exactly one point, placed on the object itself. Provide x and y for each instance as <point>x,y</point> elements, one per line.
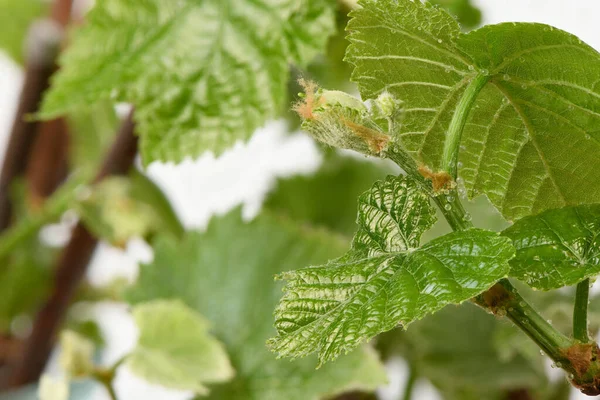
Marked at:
<point>175,348</point>
<point>539,110</point>
<point>16,17</point>
<point>91,132</point>
<point>120,208</point>
<point>226,274</point>
<point>384,281</point>
<point>557,248</point>
<point>53,389</point>
<point>76,356</point>
<point>201,73</point>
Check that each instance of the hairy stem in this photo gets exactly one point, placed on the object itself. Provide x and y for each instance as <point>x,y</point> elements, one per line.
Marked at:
<point>457,124</point>
<point>410,383</point>
<point>580,325</point>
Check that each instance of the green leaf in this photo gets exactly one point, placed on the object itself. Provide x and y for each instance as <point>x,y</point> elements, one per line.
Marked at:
<point>53,389</point>
<point>120,208</point>
<point>201,74</point>
<point>175,348</point>
<point>392,216</point>
<point>329,197</point>
<point>76,356</point>
<point>557,248</point>
<point>16,17</point>
<point>226,274</point>
<point>91,133</point>
<point>384,281</point>
<point>539,110</point>
<point>464,363</point>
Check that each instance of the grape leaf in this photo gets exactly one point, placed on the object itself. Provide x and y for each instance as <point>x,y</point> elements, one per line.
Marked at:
<point>201,73</point>
<point>91,132</point>
<point>15,18</point>
<point>532,138</point>
<point>175,348</point>
<point>384,281</point>
<point>456,350</point>
<point>557,247</point>
<point>226,275</point>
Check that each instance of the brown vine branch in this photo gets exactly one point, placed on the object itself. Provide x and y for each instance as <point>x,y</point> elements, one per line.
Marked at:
<point>70,270</point>
<point>43,44</point>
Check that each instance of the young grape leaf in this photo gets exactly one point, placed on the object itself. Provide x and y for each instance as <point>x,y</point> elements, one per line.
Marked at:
<point>392,216</point>
<point>16,17</point>
<point>538,111</point>
<point>202,74</point>
<point>557,247</point>
<point>226,274</point>
<point>384,281</point>
<point>175,348</point>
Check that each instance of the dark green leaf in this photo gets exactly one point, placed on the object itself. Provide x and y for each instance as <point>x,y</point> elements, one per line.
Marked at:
<point>557,248</point>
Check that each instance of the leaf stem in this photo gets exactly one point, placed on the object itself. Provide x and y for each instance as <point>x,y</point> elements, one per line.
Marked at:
<point>580,328</point>
<point>457,124</point>
<point>410,383</point>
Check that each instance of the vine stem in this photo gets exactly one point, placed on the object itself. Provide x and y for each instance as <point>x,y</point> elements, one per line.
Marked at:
<point>410,383</point>
<point>70,270</point>
<point>457,124</point>
<point>580,326</point>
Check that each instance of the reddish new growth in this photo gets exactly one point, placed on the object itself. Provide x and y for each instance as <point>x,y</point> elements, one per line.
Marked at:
<point>376,141</point>
<point>305,107</point>
<point>440,180</point>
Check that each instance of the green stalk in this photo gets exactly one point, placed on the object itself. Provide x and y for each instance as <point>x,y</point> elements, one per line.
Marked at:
<point>410,383</point>
<point>580,326</point>
<point>53,208</point>
<point>457,124</point>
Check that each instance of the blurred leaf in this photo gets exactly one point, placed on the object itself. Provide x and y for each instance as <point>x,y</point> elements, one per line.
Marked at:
<point>175,348</point>
<point>88,329</point>
<point>53,388</point>
<point>467,15</point>
<point>76,356</point>
<point>16,17</point>
<point>226,275</point>
<point>556,248</point>
<point>456,350</point>
<point>329,197</point>
<point>119,208</point>
<point>201,74</point>
<point>92,131</point>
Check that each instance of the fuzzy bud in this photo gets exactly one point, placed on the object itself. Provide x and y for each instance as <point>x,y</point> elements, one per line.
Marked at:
<point>340,120</point>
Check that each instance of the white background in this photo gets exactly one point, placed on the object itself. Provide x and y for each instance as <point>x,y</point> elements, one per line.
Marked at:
<point>243,175</point>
